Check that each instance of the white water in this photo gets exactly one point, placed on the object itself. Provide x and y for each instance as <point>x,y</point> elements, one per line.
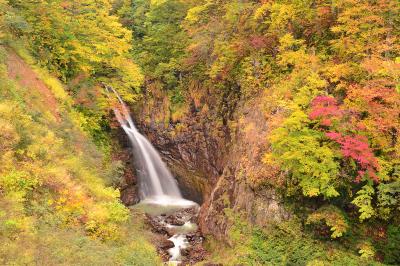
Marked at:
<point>180,242</point>
<point>158,189</point>
<point>156,182</point>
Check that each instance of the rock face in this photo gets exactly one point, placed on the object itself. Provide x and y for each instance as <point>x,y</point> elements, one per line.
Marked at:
<point>190,155</point>
<point>193,148</point>
<point>128,183</point>
<point>237,188</point>
<point>217,163</point>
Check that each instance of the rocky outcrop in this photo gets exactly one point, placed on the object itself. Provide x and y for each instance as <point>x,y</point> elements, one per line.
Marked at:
<point>238,188</point>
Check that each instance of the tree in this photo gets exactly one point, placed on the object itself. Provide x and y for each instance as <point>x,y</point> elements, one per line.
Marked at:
<point>75,37</point>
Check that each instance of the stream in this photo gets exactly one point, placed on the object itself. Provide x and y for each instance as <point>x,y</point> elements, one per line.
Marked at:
<point>160,198</point>
<point>177,221</point>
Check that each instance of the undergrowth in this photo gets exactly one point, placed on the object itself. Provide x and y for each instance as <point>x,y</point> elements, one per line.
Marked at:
<point>286,243</point>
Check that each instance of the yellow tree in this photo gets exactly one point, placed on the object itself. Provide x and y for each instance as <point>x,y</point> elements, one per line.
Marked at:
<point>74,37</point>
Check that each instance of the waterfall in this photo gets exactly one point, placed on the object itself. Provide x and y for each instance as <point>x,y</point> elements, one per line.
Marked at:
<point>155,180</point>
<point>158,189</point>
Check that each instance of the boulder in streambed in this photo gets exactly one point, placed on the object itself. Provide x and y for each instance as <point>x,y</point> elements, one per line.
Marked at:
<point>165,244</point>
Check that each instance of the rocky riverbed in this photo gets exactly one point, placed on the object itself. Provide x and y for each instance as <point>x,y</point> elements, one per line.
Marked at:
<point>179,239</point>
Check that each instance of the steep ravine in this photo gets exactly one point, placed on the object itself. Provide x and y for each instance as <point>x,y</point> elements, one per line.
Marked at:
<point>212,168</point>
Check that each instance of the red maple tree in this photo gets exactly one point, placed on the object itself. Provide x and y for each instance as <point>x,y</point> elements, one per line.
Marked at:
<point>357,148</point>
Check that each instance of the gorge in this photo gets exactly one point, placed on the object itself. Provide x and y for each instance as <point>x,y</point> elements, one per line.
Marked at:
<point>199,132</point>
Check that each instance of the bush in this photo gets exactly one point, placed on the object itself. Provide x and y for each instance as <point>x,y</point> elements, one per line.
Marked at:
<point>392,248</point>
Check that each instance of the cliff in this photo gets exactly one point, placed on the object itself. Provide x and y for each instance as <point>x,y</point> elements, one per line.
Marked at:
<point>215,165</point>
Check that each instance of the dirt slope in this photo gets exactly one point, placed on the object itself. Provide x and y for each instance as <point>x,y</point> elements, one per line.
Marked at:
<point>19,70</point>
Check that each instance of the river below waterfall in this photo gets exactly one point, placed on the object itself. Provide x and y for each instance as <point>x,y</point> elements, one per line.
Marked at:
<point>176,221</point>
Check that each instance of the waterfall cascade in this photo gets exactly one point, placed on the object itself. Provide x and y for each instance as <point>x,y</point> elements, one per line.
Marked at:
<point>156,181</point>
<point>158,189</point>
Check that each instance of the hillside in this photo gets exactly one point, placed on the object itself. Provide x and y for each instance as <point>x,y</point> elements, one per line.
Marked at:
<point>56,208</point>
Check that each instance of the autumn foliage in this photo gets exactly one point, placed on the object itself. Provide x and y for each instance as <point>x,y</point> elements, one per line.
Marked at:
<point>357,148</point>
<point>326,72</point>
<point>325,109</point>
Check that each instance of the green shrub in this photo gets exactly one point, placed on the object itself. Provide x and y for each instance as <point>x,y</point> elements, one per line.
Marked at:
<point>392,248</point>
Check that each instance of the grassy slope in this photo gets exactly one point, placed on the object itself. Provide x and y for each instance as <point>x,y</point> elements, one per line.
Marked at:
<point>54,206</point>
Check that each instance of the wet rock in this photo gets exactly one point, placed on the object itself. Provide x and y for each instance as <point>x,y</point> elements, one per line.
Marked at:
<point>190,150</point>
<point>127,183</point>
<point>170,232</point>
<point>194,254</point>
<point>129,196</point>
<point>157,226</point>
<point>174,220</point>
<point>180,217</point>
<point>165,244</point>
<point>195,238</point>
